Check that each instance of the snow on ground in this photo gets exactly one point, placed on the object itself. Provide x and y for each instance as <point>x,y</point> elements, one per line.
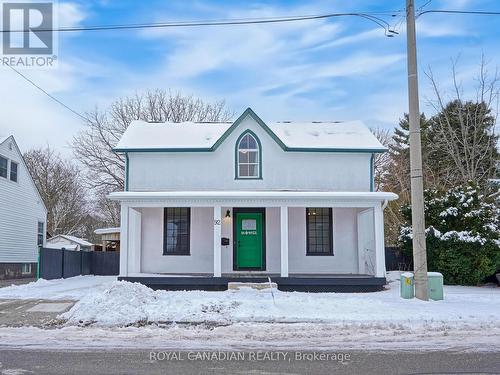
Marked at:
<point>73,288</point>
<point>258,336</point>
<point>126,303</point>
<point>112,314</point>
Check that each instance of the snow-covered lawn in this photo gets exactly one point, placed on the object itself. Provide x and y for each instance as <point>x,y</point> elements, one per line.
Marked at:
<point>112,314</point>
<point>103,301</point>
<point>73,288</point>
<point>131,303</point>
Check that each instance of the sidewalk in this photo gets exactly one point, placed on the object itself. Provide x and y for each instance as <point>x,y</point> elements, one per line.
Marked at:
<point>9,282</point>
<point>36,313</point>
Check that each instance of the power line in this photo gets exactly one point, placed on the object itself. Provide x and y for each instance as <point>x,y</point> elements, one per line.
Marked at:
<point>477,12</point>
<point>379,21</point>
<point>221,22</point>
<point>46,93</point>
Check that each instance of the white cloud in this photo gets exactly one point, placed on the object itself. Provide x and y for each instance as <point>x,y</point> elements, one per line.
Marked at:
<point>70,14</point>
<point>359,64</point>
<point>32,117</point>
<point>363,36</point>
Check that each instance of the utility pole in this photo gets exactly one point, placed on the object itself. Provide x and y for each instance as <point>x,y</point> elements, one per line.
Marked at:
<point>417,185</point>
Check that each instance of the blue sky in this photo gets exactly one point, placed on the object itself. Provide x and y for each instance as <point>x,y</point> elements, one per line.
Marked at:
<point>334,69</point>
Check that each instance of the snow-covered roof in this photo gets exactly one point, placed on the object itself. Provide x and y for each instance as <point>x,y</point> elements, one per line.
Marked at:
<point>107,230</point>
<point>291,136</point>
<point>74,239</point>
<point>3,138</point>
<point>338,135</point>
<point>60,246</point>
<point>182,135</point>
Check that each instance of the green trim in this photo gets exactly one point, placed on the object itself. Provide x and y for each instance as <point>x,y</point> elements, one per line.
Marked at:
<point>38,264</point>
<point>239,120</point>
<point>163,149</point>
<point>250,112</point>
<point>248,131</point>
<point>372,173</point>
<point>126,171</point>
<point>287,149</point>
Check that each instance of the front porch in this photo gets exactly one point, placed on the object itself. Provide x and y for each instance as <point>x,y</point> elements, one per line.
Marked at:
<point>356,263</point>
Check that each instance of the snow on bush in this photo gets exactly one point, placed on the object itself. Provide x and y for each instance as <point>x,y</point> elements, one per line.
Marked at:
<point>463,234</point>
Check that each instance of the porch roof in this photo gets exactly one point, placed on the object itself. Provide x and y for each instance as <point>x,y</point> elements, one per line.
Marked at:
<point>255,198</point>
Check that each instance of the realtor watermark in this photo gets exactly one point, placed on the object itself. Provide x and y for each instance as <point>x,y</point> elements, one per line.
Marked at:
<point>250,356</point>
<point>28,36</point>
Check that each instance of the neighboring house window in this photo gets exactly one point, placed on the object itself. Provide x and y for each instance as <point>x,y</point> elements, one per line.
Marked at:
<point>41,228</point>
<point>176,230</point>
<point>319,231</point>
<point>13,171</point>
<point>26,268</point>
<point>248,157</point>
<point>3,167</point>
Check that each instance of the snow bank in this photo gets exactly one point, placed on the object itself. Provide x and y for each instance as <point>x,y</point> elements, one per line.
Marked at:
<point>257,336</point>
<point>127,303</point>
<point>71,288</point>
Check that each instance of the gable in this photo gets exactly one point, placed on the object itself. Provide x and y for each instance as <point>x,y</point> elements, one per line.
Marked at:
<point>207,137</point>
<point>5,151</point>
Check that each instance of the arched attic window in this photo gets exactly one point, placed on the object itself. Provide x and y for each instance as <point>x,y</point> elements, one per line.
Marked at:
<point>248,156</point>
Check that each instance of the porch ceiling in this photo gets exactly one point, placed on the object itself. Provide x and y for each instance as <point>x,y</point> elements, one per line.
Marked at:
<point>253,198</point>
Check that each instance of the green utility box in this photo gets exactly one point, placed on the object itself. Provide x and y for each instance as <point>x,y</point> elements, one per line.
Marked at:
<point>435,286</point>
<point>407,287</point>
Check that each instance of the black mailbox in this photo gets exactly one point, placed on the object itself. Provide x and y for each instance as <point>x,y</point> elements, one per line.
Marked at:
<point>224,241</point>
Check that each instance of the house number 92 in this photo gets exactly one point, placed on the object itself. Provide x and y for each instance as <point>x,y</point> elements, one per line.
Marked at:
<point>216,222</point>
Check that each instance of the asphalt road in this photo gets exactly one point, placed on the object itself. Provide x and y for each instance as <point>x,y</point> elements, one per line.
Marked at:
<point>142,362</point>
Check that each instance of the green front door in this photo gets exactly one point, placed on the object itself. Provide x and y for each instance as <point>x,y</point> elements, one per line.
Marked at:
<point>249,240</point>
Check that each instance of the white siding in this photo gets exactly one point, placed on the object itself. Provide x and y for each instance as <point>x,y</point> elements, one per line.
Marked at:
<point>344,260</point>
<point>316,171</point>
<point>345,244</point>
<point>201,243</point>
<point>20,210</point>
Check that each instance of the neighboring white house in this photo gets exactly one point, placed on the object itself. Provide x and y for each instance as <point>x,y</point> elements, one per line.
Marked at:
<point>247,200</point>
<point>22,214</point>
<point>64,241</point>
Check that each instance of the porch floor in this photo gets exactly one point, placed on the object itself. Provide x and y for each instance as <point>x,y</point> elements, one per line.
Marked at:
<point>294,282</point>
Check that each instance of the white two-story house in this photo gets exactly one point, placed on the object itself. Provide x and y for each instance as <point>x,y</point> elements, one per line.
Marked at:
<point>23,214</point>
<point>208,203</point>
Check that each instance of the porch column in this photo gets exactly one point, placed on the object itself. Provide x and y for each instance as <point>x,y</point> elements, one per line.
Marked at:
<point>217,242</point>
<point>134,241</point>
<point>123,240</point>
<point>378,217</point>
<point>284,240</point>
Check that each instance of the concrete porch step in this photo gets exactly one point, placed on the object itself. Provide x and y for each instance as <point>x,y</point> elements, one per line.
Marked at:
<point>257,286</point>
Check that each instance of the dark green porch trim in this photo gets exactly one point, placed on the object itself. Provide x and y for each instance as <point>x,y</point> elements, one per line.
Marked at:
<point>248,131</point>
<point>250,112</point>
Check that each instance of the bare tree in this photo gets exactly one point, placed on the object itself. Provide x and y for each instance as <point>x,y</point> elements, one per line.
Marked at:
<point>93,146</point>
<point>464,129</point>
<point>381,161</point>
<point>62,190</point>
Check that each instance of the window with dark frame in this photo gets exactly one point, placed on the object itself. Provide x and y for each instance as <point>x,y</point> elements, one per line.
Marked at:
<point>319,230</point>
<point>40,231</point>
<point>3,167</point>
<point>176,230</point>
<point>13,171</point>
